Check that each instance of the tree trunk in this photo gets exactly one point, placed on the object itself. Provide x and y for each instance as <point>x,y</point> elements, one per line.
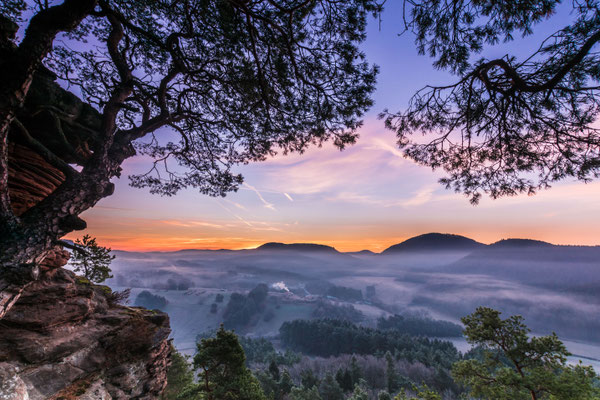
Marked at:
<point>25,241</point>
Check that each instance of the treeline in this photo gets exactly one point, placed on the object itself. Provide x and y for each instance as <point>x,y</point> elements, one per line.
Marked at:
<point>343,373</point>
<point>508,364</point>
<point>242,310</point>
<point>419,326</point>
<point>328,337</point>
<point>326,309</point>
<point>324,288</point>
<point>150,301</point>
<point>262,351</point>
<point>345,293</point>
<point>153,281</point>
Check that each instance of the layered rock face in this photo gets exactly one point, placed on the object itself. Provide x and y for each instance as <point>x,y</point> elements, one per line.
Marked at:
<point>64,339</point>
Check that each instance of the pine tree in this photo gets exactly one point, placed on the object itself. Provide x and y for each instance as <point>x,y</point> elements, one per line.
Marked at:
<point>309,379</point>
<point>91,259</point>
<point>274,370</point>
<point>179,377</point>
<point>391,375</point>
<point>355,371</point>
<point>344,379</point>
<point>383,395</point>
<point>330,389</point>
<point>285,383</point>
<point>304,393</point>
<point>223,374</point>
<point>359,392</point>
<point>517,366</point>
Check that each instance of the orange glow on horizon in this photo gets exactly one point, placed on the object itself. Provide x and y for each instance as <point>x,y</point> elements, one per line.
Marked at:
<point>377,245</point>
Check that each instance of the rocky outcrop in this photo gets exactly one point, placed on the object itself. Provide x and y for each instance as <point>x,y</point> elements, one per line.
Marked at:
<point>30,178</point>
<point>66,339</point>
<point>60,122</point>
<point>62,337</point>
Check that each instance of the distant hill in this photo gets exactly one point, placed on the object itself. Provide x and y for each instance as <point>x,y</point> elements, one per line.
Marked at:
<point>361,253</point>
<point>299,247</point>
<point>520,243</point>
<point>534,262</point>
<point>528,251</point>
<point>435,242</point>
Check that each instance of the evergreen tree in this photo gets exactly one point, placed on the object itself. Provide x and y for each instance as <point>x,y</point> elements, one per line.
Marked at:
<point>309,379</point>
<point>304,393</point>
<point>330,389</point>
<point>285,383</point>
<point>359,393</point>
<point>391,375</point>
<point>269,387</point>
<point>355,371</point>
<point>222,371</point>
<point>91,260</point>
<point>232,81</point>
<point>516,366</point>
<point>344,379</point>
<point>274,371</point>
<point>422,393</point>
<point>179,377</point>
<point>383,395</point>
<point>514,123</point>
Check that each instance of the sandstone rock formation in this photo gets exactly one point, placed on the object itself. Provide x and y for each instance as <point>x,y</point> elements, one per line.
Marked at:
<point>63,337</point>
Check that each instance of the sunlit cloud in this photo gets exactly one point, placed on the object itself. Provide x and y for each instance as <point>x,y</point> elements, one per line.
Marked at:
<point>266,203</point>
<point>234,214</point>
<point>189,224</point>
<point>422,196</point>
<point>379,144</point>
<point>233,203</point>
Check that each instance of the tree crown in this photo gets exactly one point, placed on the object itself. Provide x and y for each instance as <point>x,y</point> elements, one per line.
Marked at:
<point>507,126</point>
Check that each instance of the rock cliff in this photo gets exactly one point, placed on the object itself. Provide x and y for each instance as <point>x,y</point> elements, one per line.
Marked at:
<point>65,338</point>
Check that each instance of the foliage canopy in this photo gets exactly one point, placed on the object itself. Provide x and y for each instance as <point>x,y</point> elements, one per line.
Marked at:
<point>504,120</point>
<point>235,80</point>
<point>516,366</point>
<point>91,259</point>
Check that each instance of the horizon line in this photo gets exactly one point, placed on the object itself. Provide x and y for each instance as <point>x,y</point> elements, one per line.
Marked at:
<point>170,250</point>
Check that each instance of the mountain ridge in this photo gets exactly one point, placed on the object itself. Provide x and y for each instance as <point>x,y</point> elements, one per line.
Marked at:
<point>436,242</point>
<point>303,247</point>
<point>425,242</point>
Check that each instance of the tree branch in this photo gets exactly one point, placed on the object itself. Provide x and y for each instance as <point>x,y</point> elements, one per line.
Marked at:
<point>520,84</point>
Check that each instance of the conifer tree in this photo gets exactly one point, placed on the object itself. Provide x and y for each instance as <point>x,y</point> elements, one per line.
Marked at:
<point>330,389</point>
<point>222,372</point>
<point>517,366</point>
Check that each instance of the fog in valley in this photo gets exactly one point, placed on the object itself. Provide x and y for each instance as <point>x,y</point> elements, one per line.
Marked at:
<point>555,288</point>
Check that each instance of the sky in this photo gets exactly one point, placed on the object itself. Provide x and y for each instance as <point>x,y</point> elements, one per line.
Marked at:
<point>365,197</point>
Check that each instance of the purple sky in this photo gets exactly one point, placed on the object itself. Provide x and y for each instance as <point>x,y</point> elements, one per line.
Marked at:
<point>366,197</point>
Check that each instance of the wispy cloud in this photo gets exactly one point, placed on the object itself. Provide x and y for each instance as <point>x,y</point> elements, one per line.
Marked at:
<point>266,203</point>
<point>379,144</point>
<point>233,203</point>
<point>422,196</point>
<point>233,214</point>
<point>190,224</point>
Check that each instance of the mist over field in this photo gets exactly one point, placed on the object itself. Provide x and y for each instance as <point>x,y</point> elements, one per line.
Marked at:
<point>555,288</point>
